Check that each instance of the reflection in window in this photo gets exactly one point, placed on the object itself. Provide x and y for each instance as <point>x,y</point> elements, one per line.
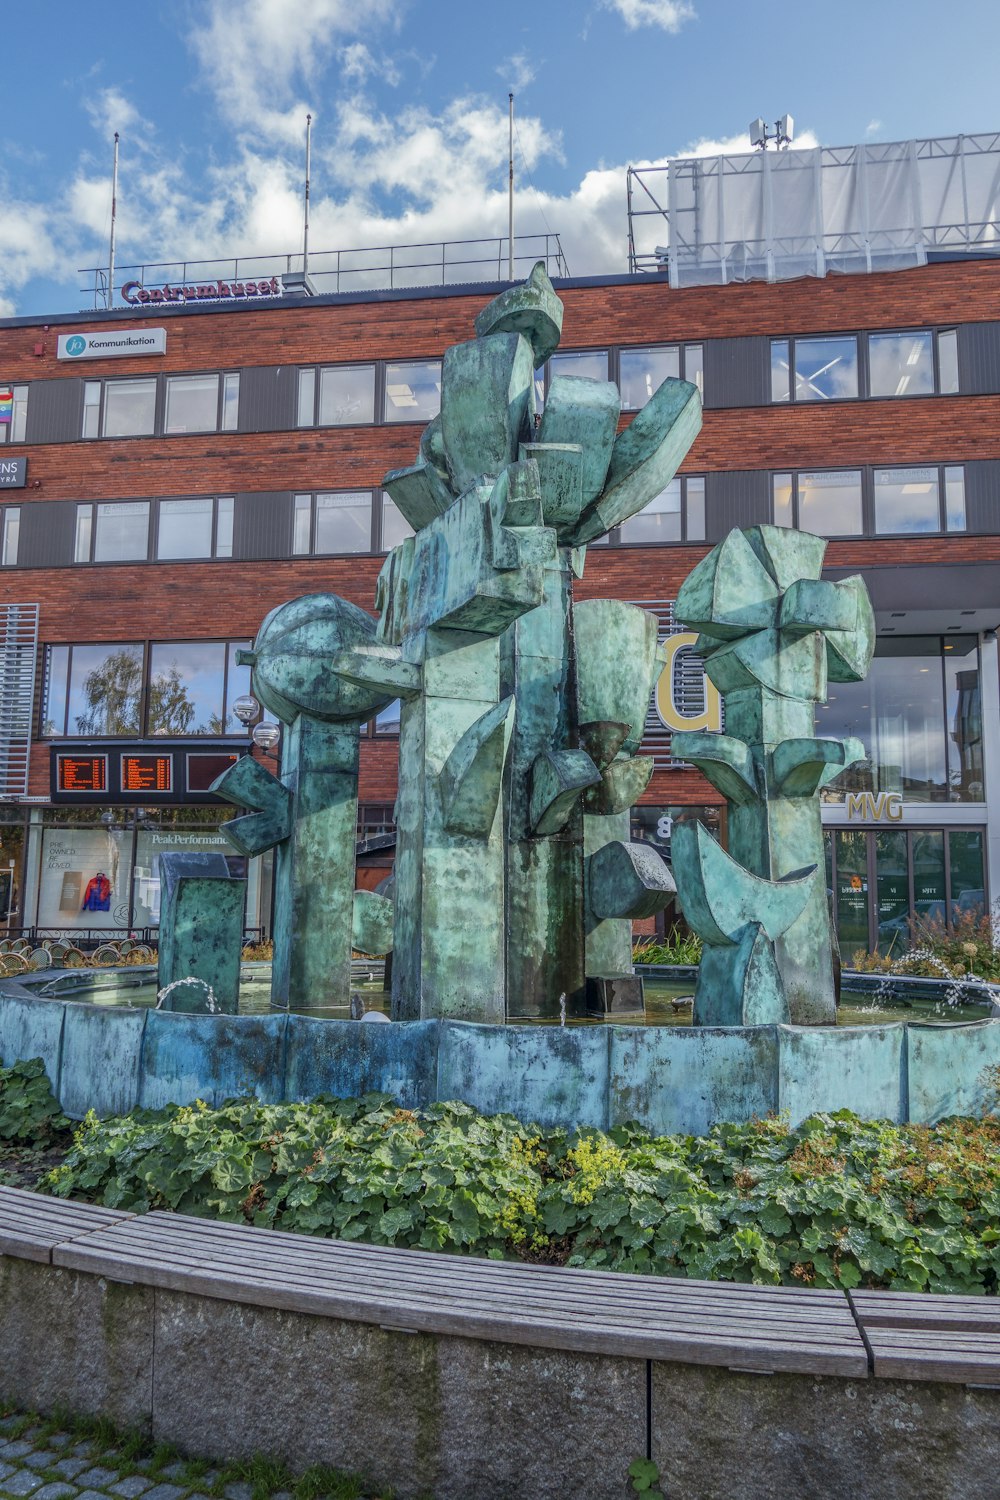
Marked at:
<point>592,364</point>
<point>11,535</point>
<point>643,371</point>
<point>919,717</point>
<point>346,395</point>
<point>968,885</point>
<point>826,369</point>
<point>121,531</point>
<point>824,502</point>
<point>93,690</point>
<point>13,412</point>
<point>129,408</point>
<point>395,527</point>
<point>192,403</point>
<point>947,343</point>
<point>901,364</point>
<point>781,371</point>
<point>413,391</point>
<point>230,401</point>
<point>387,722</point>
<point>907,500</point>
<point>187,688</point>
<point>336,523</point>
<point>676,514</point>
<point>91,408</point>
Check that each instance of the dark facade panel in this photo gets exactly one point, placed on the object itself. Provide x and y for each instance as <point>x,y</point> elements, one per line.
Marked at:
<point>737,372</point>
<point>262,525</point>
<point>268,398</point>
<point>982,495</point>
<point>48,534</point>
<point>55,411</point>
<point>736,498</point>
<point>978,358</point>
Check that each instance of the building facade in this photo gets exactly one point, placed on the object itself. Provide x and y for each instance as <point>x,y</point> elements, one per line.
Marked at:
<point>172,470</point>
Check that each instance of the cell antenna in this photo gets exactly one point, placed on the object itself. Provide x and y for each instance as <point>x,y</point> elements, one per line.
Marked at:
<point>305,223</point>
<point>510,191</point>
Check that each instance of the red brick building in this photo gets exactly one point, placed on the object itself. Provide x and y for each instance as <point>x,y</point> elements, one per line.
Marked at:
<point>157,500</point>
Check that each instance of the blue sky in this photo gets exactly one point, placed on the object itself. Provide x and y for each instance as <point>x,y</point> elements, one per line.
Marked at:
<point>409,104</point>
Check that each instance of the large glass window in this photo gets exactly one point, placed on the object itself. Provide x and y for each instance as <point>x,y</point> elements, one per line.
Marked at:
<point>192,403</point>
<point>967,869</point>
<point>395,527</point>
<point>907,500</point>
<point>199,527</point>
<point>901,364</point>
<point>340,522</point>
<point>947,343</point>
<point>11,532</point>
<point>413,391</point>
<point>129,408</point>
<point>825,502</point>
<point>187,682</point>
<point>676,514</point>
<point>591,364</point>
<point>338,396</point>
<point>92,690</point>
<point>642,371</point>
<point>814,369</point>
<point>120,531</point>
<point>13,412</point>
<point>918,715</point>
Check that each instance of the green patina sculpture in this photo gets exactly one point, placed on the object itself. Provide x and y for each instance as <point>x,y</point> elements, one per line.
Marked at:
<point>772,634</point>
<point>308,814</point>
<point>201,933</point>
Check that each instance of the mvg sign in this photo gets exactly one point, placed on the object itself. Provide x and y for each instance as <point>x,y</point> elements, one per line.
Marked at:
<point>875,807</point>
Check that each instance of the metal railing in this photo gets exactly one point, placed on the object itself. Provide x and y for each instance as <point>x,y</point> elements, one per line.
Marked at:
<point>372,268</point>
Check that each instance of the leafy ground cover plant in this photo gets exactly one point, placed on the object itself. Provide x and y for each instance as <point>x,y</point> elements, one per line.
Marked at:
<point>835,1202</point>
<point>34,1133</point>
<point>678,948</point>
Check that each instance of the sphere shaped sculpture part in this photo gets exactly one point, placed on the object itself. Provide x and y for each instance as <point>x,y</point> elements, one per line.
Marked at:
<point>291,661</point>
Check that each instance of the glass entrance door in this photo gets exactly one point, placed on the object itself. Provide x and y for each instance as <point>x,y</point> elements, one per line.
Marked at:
<point>884,880</point>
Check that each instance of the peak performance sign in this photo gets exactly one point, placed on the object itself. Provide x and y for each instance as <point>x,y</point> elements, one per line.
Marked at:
<point>123,343</point>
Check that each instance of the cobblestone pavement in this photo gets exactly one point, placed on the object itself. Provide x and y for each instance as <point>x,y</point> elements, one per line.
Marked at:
<point>86,1460</point>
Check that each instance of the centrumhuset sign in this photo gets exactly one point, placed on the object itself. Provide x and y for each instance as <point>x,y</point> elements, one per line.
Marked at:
<point>123,343</point>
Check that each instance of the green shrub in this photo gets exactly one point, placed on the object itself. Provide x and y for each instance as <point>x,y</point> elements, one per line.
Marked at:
<point>28,1111</point>
<point>966,948</point>
<point>835,1202</point>
<point>679,948</point>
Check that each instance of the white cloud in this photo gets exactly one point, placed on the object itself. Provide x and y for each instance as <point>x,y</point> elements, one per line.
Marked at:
<point>517,71</point>
<point>873,127</point>
<point>109,110</point>
<point>669,15</point>
<point>255,53</point>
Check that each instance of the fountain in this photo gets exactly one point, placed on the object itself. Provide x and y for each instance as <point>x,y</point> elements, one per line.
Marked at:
<point>516,879</point>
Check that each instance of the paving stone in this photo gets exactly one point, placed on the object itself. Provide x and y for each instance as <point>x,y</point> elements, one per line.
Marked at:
<point>238,1491</point>
<point>134,1485</point>
<point>16,1448</point>
<point>89,1495</point>
<point>24,1482</point>
<point>166,1492</point>
<point>174,1471</point>
<point>5,1469</point>
<point>69,1468</point>
<point>97,1478</point>
<point>56,1492</point>
<point>41,1458</point>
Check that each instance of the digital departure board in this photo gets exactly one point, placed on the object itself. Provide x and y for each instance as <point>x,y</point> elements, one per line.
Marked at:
<point>82,773</point>
<point>147,773</point>
<point>204,766</point>
<point>143,773</point>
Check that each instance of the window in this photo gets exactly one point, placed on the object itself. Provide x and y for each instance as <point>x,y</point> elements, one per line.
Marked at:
<point>814,369</point>
<point>947,346</point>
<point>13,412</point>
<point>332,523</point>
<point>92,690</point>
<point>919,716</point>
<point>901,364</point>
<point>825,502</point>
<point>119,532</point>
<point>97,690</point>
<point>201,527</point>
<point>129,408</point>
<point>919,500</point>
<point>412,391</point>
<point>642,371</point>
<point>341,396</point>
<point>191,403</point>
<point>395,527</point>
<point>11,530</point>
<point>676,514</point>
<point>592,364</point>
<point>387,722</point>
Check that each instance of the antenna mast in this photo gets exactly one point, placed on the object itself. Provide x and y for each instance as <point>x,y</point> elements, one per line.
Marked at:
<point>305,226</point>
<point>114,215</point>
<point>510,192</point>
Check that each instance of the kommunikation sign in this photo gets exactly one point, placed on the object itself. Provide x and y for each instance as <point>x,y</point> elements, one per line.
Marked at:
<point>137,295</point>
<point>123,343</point>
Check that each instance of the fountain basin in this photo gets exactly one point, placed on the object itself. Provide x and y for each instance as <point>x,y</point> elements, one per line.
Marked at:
<point>115,1058</point>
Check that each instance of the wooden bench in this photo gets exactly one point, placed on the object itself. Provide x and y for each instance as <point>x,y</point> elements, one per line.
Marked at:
<point>744,1327</point>
<point>926,1336</point>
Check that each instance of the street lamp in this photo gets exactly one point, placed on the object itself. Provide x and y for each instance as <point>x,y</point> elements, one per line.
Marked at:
<point>266,737</point>
<point>247,709</point>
